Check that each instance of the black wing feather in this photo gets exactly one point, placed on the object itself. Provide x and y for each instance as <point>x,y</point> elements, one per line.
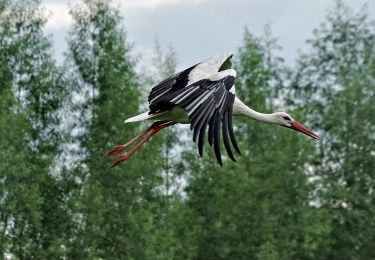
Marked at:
<point>205,120</point>
<point>202,133</point>
<point>211,131</point>
<point>170,85</point>
<point>213,110</point>
<point>203,126</point>
<point>199,116</point>
<point>231,133</point>
<point>209,105</point>
<point>225,137</point>
<point>217,139</point>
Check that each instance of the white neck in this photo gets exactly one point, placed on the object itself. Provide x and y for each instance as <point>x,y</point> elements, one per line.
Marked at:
<point>239,108</point>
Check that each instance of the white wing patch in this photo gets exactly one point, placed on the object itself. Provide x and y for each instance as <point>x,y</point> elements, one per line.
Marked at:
<point>207,67</point>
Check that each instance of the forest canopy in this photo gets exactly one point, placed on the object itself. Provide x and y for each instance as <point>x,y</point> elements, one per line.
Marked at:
<point>287,197</point>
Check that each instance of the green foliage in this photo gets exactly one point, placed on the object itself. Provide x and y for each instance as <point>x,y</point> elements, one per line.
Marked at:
<point>33,211</point>
<point>13,150</point>
<point>258,208</point>
<point>287,197</point>
<point>336,82</point>
<point>163,66</point>
<point>120,207</point>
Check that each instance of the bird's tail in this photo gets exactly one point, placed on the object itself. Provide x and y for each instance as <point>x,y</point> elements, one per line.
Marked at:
<point>140,117</point>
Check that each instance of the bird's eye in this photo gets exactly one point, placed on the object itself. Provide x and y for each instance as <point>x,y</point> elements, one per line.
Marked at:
<point>287,118</point>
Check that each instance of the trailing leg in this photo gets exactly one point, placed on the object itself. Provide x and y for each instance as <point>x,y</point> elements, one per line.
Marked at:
<point>119,148</point>
<point>154,129</point>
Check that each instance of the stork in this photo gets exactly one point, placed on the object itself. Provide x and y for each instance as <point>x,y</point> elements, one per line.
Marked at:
<point>204,97</point>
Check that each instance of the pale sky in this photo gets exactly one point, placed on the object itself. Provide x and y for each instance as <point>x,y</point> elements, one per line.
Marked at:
<point>199,29</point>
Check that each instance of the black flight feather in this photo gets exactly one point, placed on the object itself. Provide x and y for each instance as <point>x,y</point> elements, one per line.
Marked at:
<point>208,103</point>
<point>211,130</point>
<point>217,140</point>
<point>225,137</point>
<point>231,133</point>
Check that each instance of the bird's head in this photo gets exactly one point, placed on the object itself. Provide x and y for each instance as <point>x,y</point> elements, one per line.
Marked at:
<point>283,119</point>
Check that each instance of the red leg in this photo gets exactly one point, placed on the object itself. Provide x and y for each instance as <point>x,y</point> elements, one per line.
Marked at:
<point>119,148</point>
<point>155,129</point>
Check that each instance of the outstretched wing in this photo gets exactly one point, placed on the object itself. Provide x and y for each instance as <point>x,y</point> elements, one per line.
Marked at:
<point>187,77</point>
<point>174,83</point>
<point>209,104</point>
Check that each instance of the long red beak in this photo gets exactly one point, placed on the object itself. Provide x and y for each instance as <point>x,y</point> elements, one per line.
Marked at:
<point>301,128</point>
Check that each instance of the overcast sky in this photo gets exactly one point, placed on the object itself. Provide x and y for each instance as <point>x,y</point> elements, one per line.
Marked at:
<point>199,29</point>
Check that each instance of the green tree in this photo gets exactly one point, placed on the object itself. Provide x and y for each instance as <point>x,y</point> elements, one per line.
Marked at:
<point>164,66</point>
<point>259,207</point>
<point>171,211</point>
<point>119,207</point>
<point>13,145</point>
<point>335,82</point>
<point>32,196</point>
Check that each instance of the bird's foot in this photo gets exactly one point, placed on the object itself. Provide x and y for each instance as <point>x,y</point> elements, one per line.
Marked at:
<point>120,159</point>
<point>156,127</point>
<point>118,148</point>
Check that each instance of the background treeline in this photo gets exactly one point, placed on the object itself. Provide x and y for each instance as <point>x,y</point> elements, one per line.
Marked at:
<point>287,197</point>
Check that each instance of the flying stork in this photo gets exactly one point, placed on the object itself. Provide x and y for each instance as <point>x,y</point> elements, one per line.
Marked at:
<point>204,97</point>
